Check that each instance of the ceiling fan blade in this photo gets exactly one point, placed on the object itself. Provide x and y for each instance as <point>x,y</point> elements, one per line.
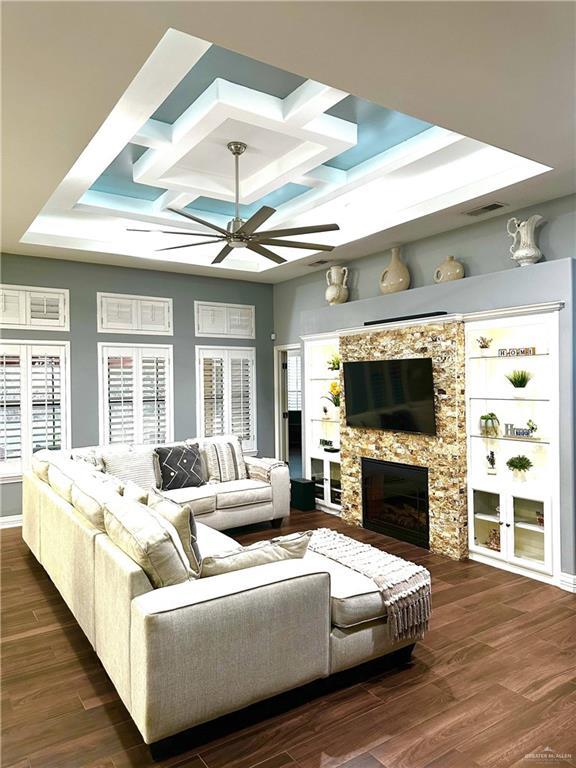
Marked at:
<point>294,244</point>
<point>174,232</point>
<point>188,245</point>
<point>256,220</point>
<point>199,221</point>
<point>222,255</point>
<point>298,230</point>
<point>265,252</point>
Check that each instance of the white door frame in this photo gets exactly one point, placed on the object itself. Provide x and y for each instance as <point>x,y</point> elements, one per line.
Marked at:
<point>277,394</point>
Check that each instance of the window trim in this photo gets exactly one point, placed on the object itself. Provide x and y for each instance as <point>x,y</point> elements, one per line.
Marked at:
<point>7,474</point>
<point>136,299</point>
<point>226,305</point>
<point>251,352</point>
<point>30,325</point>
<point>102,399</point>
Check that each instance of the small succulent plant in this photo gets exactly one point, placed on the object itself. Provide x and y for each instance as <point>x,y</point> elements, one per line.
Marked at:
<point>484,342</point>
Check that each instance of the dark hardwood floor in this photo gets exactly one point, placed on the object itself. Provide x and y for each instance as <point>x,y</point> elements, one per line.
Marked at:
<point>492,685</point>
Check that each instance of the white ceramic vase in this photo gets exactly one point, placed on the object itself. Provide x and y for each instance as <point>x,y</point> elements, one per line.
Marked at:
<point>337,282</point>
<point>396,276</point>
<point>450,269</point>
<point>524,250</point>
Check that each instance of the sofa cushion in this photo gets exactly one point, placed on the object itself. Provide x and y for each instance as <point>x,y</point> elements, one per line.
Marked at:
<point>240,493</point>
<point>137,463</point>
<point>202,500</point>
<point>224,458</point>
<point>89,456</point>
<point>148,539</point>
<point>134,492</point>
<point>355,598</point>
<point>182,518</point>
<point>180,466</point>
<point>281,548</point>
<point>213,542</point>
<point>89,495</point>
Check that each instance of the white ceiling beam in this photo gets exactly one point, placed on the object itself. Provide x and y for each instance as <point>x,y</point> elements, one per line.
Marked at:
<point>153,134</point>
<point>310,100</point>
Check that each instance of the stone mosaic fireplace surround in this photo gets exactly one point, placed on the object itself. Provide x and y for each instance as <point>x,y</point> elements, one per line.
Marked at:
<point>444,454</point>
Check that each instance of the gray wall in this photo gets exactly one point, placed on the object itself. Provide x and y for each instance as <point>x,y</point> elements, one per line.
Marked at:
<point>482,248</point>
<point>493,281</point>
<point>84,280</point>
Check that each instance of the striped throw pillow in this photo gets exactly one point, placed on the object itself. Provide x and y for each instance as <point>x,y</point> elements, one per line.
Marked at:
<point>225,461</point>
<point>136,463</point>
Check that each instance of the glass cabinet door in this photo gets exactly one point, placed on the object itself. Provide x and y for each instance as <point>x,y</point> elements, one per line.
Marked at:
<point>530,530</point>
<point>335,486</point>
<point>487,521</point>
<point>317,474</point>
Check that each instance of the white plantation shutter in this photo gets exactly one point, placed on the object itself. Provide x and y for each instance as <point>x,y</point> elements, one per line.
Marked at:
<point>10,405</point>
<point>34,402</point>
<point>216,319</point>
<point>154,381</point>
<point>213,388</point>
<point>46,393</point>
<point>227,394</point>
<point>136,392</point>
<point>12,306</point>
<point>119,313</point>
<point>294,381</point>
<point>46,309</point>
<point>34,308</point>
<point>241,388</point>
<point>120,398</point>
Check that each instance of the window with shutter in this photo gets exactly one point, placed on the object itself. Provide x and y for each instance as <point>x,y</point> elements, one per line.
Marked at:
<point>224,320</point>
<point>124,313</point>
<point>34,308</point>
<point>135,393</point>
<point>34,402</point>
<point>227,393</point>
<point>294,381</point>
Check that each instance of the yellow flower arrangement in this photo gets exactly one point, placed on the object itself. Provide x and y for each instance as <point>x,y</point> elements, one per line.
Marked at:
<point>334,394</point>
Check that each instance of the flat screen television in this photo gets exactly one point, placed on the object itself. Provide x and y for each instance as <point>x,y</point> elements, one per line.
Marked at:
<point>396,395</point>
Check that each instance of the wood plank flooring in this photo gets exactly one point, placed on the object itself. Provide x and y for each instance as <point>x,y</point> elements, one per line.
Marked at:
<point>492,685</point>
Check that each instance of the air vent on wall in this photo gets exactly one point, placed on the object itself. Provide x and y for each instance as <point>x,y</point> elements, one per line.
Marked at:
<point>319,263</point>
<point>485,209</point>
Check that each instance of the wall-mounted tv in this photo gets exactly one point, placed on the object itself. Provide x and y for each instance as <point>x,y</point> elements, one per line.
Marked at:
<point>395,395</point>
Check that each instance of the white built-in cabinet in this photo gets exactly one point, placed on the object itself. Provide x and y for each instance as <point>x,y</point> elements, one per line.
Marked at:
<point>514,515</point>
<point>321,433</point>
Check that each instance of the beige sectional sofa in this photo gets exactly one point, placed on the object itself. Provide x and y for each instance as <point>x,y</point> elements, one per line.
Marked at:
<point>185,654</point>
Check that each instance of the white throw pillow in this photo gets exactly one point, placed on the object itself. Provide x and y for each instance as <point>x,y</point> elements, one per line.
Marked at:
<point>137,463</point>
<point>224,459</point>
<point>148,539</point>
<point>281,548</point>
<point>182,518</point>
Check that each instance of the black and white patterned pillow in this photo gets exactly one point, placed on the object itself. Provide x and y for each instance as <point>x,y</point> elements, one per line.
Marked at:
<point>180,466</point>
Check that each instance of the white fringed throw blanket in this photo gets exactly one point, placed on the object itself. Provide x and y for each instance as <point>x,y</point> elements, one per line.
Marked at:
<point>405,586</point>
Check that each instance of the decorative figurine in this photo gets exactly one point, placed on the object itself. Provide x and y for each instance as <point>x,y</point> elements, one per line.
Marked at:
<point>396,276</point>
<point>523,233</point>
<point>337,281</point>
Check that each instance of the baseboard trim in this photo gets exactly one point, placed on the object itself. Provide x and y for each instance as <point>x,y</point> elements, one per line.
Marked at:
<point>568,582</point>
<point>10,521</point>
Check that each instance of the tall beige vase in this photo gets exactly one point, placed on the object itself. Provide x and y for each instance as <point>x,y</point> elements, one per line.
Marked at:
<point>396,276</point>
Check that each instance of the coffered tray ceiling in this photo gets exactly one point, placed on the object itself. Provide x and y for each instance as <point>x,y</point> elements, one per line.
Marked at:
<point>315,154</point>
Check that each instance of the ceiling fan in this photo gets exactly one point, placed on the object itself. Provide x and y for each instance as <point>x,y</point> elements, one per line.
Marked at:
<point>244,234</point>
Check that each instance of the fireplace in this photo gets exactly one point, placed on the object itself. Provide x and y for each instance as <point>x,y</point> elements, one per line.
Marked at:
<point>395,500</point>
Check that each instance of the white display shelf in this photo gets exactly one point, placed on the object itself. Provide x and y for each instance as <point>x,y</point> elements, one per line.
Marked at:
<point>336,377</point>
<point>326,421</point>
<point>524,546</point>
<point>513,439</point>
<point>489,518</point>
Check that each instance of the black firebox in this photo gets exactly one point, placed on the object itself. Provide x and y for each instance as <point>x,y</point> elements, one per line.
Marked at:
<point>395,500</point>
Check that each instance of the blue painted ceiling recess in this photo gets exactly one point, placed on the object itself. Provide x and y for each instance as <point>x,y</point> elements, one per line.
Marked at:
<point>378,128</point>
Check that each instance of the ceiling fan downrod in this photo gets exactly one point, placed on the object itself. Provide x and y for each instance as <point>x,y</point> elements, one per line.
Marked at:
<point>237,148</point>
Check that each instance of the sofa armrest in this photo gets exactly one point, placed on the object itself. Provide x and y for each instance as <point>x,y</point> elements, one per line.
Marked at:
<point>279,478</point>
<point>205,648</point>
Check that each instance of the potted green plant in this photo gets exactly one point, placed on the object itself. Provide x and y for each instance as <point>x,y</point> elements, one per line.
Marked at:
<point>519,379</point>
<point>489,424</point>
<point>334,362</point>
<point>483,344</point>
<point>491,459</point>
<point>519,465</point>
<point>532,427</point>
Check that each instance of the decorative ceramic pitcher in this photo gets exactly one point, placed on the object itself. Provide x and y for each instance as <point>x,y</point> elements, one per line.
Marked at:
<point>337,281</point>
<point>396,276</point>
<point>450,269</point>
<point>523,233</point>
